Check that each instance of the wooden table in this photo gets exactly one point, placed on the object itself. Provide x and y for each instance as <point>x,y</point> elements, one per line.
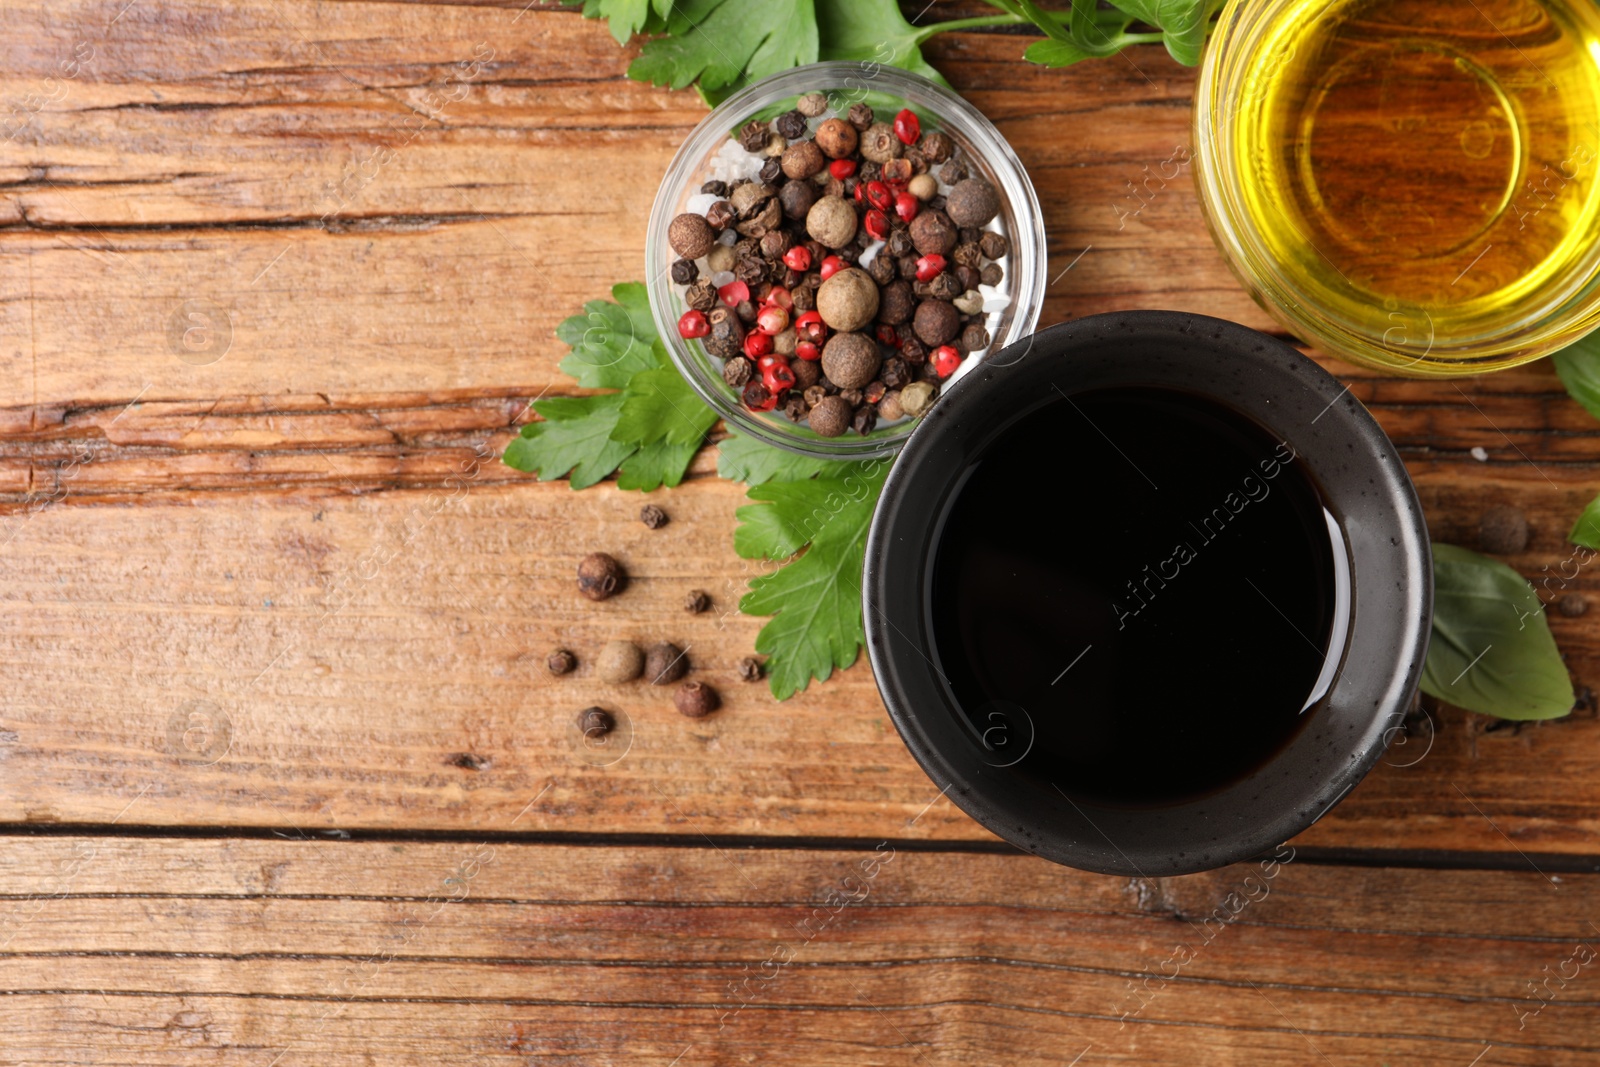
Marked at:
<point>286,781</point>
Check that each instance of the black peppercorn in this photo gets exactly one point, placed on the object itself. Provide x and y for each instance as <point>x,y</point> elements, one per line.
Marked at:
<point>696,601</point>
<point>600,576</point>
<point>882,269</point>
<point>796,198</point>
<point>895,304</point>
<point>652,516</point>
<point>746,310</point>
<point>975,337</point>
<point>754,136</point>
<point>869,171</point>
<point>953,171</point>
<point>946,286</point>
<point>937,147</point>
<point>861,116</point>
<point>913,352</point>
<point>737,371</point>
<point>866,418</point>
<point>900,243</point>
<point>795,407</point>
<point>684,271</point>
<point>969,277</point>
<point>776,243</point>
<point>720,215</point>
<point>771,171</point>
<point>791,124</point>
<point>726,338</point>
<point>596,722</point>
<point>991,274</point>
<point>804,297</point>
<point>806,373</point>
<point>702,296</point>
<point>895,373</point>
<point>665,663</point>
<point>994,245</point>
<point>696,700</point>
<point>750,669</point>
<point>814,395</point>
<point>715,188</point>
<point>560,661</point>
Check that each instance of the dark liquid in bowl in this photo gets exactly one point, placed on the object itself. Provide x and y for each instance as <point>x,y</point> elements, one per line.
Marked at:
<point>1134,596</point>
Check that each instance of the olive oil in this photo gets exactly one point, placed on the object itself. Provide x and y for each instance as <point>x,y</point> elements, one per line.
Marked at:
<point>1423,173</point>
<point>1155,623</point>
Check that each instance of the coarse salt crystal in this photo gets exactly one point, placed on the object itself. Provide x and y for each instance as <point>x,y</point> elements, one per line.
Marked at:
<point>700,203</point>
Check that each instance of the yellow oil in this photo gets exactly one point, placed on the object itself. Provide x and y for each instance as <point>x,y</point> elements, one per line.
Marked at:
<point>1424,172</point>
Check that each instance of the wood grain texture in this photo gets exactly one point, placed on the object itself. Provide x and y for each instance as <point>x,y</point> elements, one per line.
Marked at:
<point>297,536</point>
<point>158,951</point>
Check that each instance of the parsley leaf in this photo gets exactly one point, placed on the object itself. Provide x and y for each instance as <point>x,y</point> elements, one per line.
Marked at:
<point>724,44</point>
<point>656,464</point>
<point>575,436</point>
<point>1578,366</point>
<point>744,459</point>
<point>627,17</point>
<point>1492,651</point>
<point>815,599</point>
<point>1586,531</point>
<point>872,31</point>
<point>610,341</point>
<point>658,405</point>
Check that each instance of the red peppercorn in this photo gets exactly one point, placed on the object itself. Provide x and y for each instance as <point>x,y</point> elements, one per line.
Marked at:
<point>945,360</point>
<point>831,266</point>
<point>757,397</point>
<point>879,196</point>
<point>907,126</point>
<point>771,359</point>
<point>807,351</point>
<point>888,336</point>
<point>734,293</point>
<point>757,344</point>
<point>876,224</point>
<point>810,327</point>
<point>772,320</point>
<point>798,258</point>
<point>842,169</point>
<point>777,378</point>
<point>779,297</point>
<point>930,267</point>
<point>693,324</point>
<point>906,206</point>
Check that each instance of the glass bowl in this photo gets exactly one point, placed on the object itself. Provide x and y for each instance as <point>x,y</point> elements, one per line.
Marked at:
<point>886,90</point>
<point>1412,161</point>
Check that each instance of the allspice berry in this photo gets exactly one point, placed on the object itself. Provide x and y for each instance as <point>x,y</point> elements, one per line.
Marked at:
<point>560,662</point>
<point>665,663</point>
<point>895,303</point>
<point>915,398</point>
<point>696,700</point>
<point>596,722</point>
<point>830,416</point>
<point>750,669</point>
<point>802,159</point>
<point>932,233</point>
<point>600,576</point>
<point>1503,531</point>
<point>848,300</point>
<point>936,322</point>
<point>690,235</point>
<point>837,138</point>
<point>851,360</point>
<point>797,198</point>
<point>972,202</point>
<point>619,661</point>
<point>831,222</point>
<point>879,143</point>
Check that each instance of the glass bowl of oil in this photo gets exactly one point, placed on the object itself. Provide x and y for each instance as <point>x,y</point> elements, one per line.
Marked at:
<point>1407,184</point>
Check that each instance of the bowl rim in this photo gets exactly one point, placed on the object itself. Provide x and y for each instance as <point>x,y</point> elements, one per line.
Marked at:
<point>1027,271</point>
<point>1363,483</point>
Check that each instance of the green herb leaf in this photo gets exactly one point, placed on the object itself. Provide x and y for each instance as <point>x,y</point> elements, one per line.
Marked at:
<point>1586,531</point>
<point>725,44</point>
<point>1492,651</point>
<point>1578,366</point>
<point>744,459</point>
<point>658,405</point>
<point>627,17</point>
<point>871,31</point>
<point>656,464</point>
<point>610,341</point>
<point>1052,53</point>
<point>816,598</point>
<point>575,436</point>
<point>1183,24</point>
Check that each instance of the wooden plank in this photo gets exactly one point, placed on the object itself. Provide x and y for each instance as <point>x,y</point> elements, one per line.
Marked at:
<point>361,644</point>
<point>333,953</point>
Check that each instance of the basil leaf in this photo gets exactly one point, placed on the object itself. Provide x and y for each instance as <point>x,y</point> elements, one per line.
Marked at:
<point>1578,366</point>
<point>1492,651</point>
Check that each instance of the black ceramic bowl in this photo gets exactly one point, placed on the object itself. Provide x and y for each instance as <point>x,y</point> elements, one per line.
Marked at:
<point>1362,484</point>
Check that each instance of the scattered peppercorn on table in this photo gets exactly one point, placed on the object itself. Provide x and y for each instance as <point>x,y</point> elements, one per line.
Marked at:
<point>288,777</point>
